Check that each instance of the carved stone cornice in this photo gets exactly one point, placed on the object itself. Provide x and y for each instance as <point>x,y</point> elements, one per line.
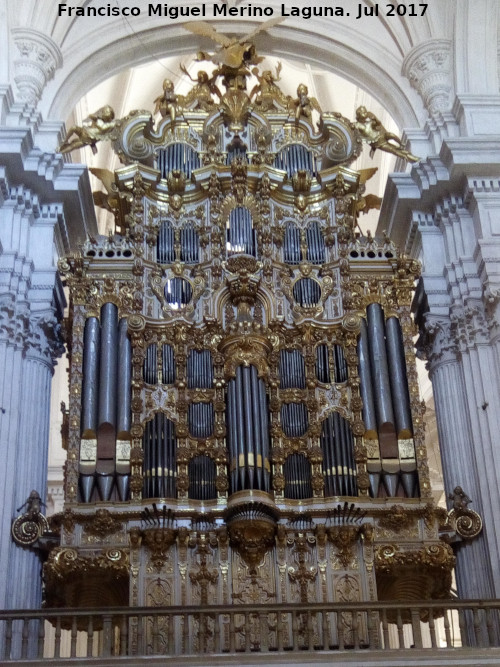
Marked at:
<point>37,60</point>
<point>428,68</point>
<point>469,325</point>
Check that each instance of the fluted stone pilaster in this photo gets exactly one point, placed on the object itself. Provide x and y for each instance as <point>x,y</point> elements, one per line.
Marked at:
<point>474,572</point>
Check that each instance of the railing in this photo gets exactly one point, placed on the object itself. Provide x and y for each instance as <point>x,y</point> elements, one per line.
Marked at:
<point>257,629</point>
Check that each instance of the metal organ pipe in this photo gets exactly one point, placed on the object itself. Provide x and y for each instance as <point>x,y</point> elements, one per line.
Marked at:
<point>291,244</point>
<point>382,385</point>
<point>159,466</point>
<point>337,444</point>
<point>315,244</point>
<point>366,383</point>
<point>168,364</point>
<point>124,380</point>
<point>108,376</point>
<point>297,473</point>
<point>90,393</point>
<point>399,381</point>
<point>292,369</point>
<point>248,432</point>
<point>202,473</point>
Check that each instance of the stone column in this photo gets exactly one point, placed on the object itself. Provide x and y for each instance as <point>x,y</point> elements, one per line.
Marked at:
<point>474,570</point>
<point>42,345</point>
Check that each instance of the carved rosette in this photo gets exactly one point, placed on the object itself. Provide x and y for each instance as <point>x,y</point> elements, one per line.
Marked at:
<point>428,68</point>
<point>37,60</point>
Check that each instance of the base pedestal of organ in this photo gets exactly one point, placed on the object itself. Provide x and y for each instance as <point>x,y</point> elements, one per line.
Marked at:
<point>244,423</point>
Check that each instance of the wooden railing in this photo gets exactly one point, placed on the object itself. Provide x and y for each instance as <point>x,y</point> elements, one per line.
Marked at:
<point>258,629</point>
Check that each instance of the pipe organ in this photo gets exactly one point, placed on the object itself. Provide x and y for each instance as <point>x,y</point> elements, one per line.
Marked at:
<point>241,362</point>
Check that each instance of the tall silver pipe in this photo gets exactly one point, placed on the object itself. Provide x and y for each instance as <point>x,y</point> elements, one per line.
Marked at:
<point>108,377</point>
<point>381,382</point>
<point>399,380</point>
<point>124,380</point>
<point>366,383</point>
<point>90,394</point>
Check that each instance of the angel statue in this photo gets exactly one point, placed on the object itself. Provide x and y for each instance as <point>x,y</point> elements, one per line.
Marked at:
<point>97,127</point>
<point>372,130</point>
<point>304,105</point>
<point>166,103</point>
<point>267,92</point>
<point>234,52</point>
<point>200,95</point>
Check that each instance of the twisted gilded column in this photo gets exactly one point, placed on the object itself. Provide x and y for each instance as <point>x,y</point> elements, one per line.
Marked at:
<point>474,573</point>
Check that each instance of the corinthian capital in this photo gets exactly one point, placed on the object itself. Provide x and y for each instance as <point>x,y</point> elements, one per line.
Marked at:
<point>436,343</point>
<point>37,60</point>
<point>428,68</point>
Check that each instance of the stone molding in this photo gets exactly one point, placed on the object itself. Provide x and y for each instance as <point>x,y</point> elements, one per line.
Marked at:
<point>37,59</point>
<point>428,67</point>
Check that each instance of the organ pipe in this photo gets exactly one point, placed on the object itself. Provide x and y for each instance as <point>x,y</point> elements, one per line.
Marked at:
<point>124,380</point>
<point>381,382</point>
<point>168,364</point>
<point>291,245</point>
<point>297,473</point>
<point>248,431</point>
<point>399,381</point>
<point>307,292</point>
<point>293,158</point>
<point>315,244</point>
<point>165,244</point>
<point>340,364</point>
<point>108,375</point>
<point>201,420</point>
<point>337,444</point>
<point>90,393</point>
<point>189,245</point>
<point>202,476</point>
<point>292,370</point>
<point>177,156</point>
<point>150,366</point>
<point>323,364</point>
<point>366,383</point>
<point>294,419</point>
<point>240,233</point>
<point>200,369</point>
<point>159,466</point>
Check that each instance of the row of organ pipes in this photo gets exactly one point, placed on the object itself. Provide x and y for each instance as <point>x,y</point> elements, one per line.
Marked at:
<point>106,404</point>
<point>177,244</point>
<point>183,244</point>
<point>106,417</point>
<point>182,157</point>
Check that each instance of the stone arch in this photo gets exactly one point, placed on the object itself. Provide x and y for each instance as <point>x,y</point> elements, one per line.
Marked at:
<point>373,67</point>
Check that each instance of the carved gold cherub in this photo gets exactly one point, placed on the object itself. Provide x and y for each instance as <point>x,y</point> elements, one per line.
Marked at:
<point>97,127</point>
<point>200,95</point>
<point>375,134</point>
<point>234,52</point>
<point>166,103</point>
<point>304,105</point>
<point>267,94</point>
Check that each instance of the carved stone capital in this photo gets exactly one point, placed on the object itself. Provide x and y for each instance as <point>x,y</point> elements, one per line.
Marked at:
<point>37,60</point>
<point>436,343</point>
<point>428,68</point>
<point>43,340</point>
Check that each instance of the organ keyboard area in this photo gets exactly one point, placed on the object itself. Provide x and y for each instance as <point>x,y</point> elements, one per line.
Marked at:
<point>239,354</point>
